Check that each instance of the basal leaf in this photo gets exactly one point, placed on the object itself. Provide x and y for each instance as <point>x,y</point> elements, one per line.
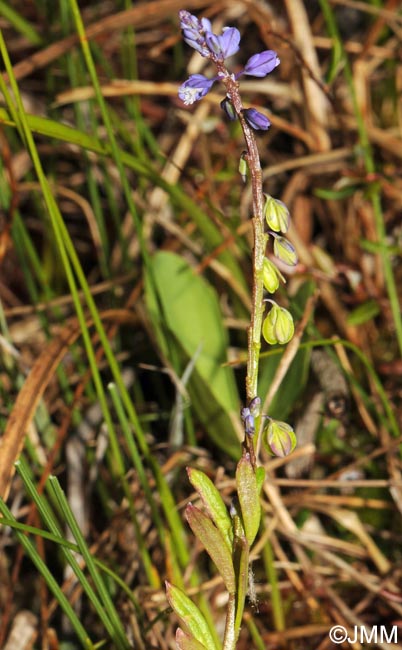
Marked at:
<point>188,323</point>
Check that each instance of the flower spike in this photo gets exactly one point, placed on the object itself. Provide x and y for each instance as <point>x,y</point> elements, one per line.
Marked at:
<point>198,34</point>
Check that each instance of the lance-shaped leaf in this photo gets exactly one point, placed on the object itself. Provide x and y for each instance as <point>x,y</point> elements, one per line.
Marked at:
<point>191,616</point>
<point>213,503</point>
<point>249,498</point>
<point>185,311</point>
<point>186,642</point>
<point>215,544</point>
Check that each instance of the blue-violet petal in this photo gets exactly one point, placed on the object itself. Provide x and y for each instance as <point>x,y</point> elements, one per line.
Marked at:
<point>194,88</point>
<point>261,64</point>
<point>256,119</point>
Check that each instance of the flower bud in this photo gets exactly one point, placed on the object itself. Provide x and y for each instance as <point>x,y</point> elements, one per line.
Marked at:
<point>270,276</point>
<point>276,214</point>
<point>248,415</point>
<point>278,326</point>
<point>261,64</point>
<point>256,120</point>
<point>279,438</point>
<point>228,108</point>
<point>248,420</point>
<point>284,250</point>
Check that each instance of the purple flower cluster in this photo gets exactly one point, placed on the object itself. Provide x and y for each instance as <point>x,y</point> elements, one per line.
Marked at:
<point>198,35</point>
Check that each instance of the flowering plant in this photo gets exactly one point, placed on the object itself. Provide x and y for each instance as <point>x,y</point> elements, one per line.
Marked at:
<point>228,539</point>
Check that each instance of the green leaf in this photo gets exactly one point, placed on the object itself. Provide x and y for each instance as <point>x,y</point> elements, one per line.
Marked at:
<point>213,503</point>
<point>363,313</point>
<point>191,616</point>
<point>335,195</point>
<point>249,497</point>
<point>188,324</point>
<point>215,544</point>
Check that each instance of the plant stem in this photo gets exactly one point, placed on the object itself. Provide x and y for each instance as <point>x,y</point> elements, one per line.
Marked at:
<point>229,641</point>
<point>260,241</point>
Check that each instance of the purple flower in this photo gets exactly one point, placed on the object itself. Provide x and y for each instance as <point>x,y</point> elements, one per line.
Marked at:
<point>194,88</point>
<point>194,40</point>
<point>249,421</point>
<point>248,415</point>
<point>256,120</point>
<point>225,45</point>
<point>194,31</point>
<point>188,22</point>
<point>261,64</point>
<point>198,35</point>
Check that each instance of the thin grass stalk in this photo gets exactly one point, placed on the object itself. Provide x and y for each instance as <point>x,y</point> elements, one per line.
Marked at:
<point>67,251</point>
<point>109,608</point>
<point>175,522</point>
<point>104,611</point>
<point>178,197</point>
<point>60,541</point>
<point>79,25</point>
<point>276,598</point>
<point>151,571</point>
<point>391,423</point>
<point>65,246</point>
<point>375,189</point>
<point>135,457</point>
<point>36,559</point>
<point>255,634</point>
<point>19,23</point>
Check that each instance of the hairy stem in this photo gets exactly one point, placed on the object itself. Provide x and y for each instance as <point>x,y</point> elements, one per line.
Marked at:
<point>229,641</point>
<point>260,241</point>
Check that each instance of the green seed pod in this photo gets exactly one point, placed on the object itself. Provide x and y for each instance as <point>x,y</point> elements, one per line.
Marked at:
<point>279,438</point>
<point>285,251</point>
<point>276,214</point>
<point>270,276</point>
<point>278,326</point>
